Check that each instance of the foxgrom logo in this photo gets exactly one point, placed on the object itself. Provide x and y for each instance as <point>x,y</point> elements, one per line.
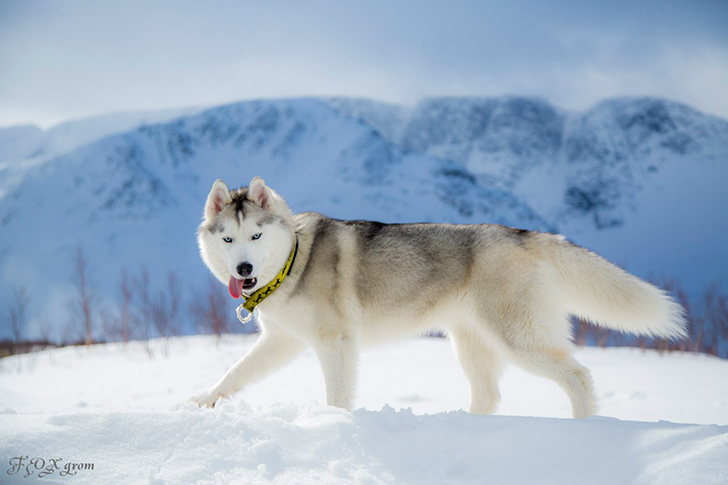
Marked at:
<point>45,466</point>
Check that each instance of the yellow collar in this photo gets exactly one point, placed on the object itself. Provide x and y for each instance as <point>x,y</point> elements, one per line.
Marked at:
<point>256,298</point>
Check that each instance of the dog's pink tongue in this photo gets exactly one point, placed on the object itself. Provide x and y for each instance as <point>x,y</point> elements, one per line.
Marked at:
<point>236,287</point>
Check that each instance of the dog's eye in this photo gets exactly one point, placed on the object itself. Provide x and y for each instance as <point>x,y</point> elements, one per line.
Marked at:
<point>257,236</point>
<point>227,239</point>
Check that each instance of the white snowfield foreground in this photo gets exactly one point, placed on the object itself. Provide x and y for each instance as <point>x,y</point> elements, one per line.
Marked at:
<point>125,415</point>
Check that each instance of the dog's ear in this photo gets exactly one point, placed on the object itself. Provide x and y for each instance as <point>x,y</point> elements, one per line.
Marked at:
<point>218,198</point>
<point>261,195</point>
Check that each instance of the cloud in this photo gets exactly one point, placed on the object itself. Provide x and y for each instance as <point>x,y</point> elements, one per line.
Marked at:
<point>67,59</point>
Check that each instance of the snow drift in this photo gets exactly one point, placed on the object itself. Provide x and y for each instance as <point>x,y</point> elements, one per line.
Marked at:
<point>126,414</point>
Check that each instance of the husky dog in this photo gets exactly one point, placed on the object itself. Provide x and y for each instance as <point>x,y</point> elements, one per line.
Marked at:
<point>500,293</point>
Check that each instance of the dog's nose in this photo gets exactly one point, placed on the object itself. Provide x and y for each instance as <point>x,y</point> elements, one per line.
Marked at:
<point>245,269</point>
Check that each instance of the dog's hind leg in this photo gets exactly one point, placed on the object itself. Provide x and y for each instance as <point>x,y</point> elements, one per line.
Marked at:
<point>271,351</point>
<point>482,366</point>
<point>558,365</point>
<point>534,333</point>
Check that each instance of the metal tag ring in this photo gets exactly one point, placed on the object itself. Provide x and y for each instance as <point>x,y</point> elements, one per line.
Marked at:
<point>246,318</point>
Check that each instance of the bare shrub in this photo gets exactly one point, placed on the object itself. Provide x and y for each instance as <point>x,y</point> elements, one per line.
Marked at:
<point>141,304</point>
<point>210,312</point>
<point>126,295</point>
<point>165,310</point>
<point>118,325</point>
<point>18,313</point>
<point>82,306</point>
<point>712,321</point>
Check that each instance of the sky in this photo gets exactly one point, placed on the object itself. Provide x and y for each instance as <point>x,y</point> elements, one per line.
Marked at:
<point>62,60</point>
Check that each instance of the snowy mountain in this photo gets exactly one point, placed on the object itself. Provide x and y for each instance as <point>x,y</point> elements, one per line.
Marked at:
<point>135,199</point>
<point>498,138</point>
<point>29,141</point>
<point>19,142</point>
<point>639,180</point>
<point>23,147</point>
<point>603,156</point>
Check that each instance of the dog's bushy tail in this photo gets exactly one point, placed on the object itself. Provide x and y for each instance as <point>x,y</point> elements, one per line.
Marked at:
<point>607,296</point>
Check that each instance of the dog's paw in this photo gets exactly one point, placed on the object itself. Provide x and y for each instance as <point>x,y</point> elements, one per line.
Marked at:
<point>207,399</point>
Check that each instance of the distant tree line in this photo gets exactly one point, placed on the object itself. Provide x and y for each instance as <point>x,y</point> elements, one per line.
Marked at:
<point>140,312</point>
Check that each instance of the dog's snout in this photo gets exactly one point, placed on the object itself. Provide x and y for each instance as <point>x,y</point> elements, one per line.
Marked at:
<point>245,269</point>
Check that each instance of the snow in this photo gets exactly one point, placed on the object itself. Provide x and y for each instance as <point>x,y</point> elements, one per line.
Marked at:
<point>19,142</point>
<point>126,413</point>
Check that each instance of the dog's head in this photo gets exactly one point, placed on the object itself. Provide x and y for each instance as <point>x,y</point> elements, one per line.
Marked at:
<point>246,236</point>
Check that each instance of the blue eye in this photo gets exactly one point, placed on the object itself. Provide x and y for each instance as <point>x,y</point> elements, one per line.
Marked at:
<point>257,236</point>
<point>227,239</point>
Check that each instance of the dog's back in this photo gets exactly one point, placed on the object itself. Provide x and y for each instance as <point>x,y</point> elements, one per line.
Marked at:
<point>411,269</point>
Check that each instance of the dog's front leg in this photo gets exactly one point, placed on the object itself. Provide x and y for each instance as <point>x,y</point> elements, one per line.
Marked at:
<point>271,351</point>
<point>338,356</point>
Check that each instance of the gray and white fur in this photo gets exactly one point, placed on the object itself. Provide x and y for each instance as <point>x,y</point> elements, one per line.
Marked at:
<point>501,294</point>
